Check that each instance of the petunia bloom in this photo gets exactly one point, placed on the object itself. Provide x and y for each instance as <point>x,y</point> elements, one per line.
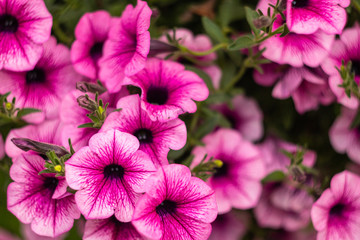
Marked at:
<point>237,182</point>
<point>156,138</point>
<point>244,116</point>
<point>110,229</point>
<point>24,27</point>
<point>307,16</point>
<point>109,175</point>
<point>308,87</point>
<point>29,234</point>
<point>229,226</point>
<point>346,49</point>
<point>91,32</point>
<point>175,206</point>
<point>128,44</point>
<point>43,86</point>
<point>343,137</point>
<point>335,214</point>
<point>168,90</point>
<point>41,200</point>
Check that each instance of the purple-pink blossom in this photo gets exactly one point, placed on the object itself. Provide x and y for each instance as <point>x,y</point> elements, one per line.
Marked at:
<point>168,90</point>
<point>109,175</point>
<point>175,206</point>
<point>24,27</point>
<point>156,138</point>
<point>230,226</point>
<point>237,182</point>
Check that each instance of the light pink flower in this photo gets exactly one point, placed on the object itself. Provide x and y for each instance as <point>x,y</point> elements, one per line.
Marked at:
<point>307,16</point>
<point>308,87</point>
<point>109,175</point>
<point>91,32</point>
<point>335,215</point>
<point>245,116</point>
<point>168,90</point>
<point>29,234</point>
<point>110,229</point>
<point>237,182</point>
<point>24,27</point>
<point>4,235</point>
<point>229,226</point>
<point>156,138</point>
<point>47,132</point>
<point>44,86</point>
<point>41,200</point>
<point>128,44</point>
<point>283,206</point>
<point>275,159</point>
<point>175,206</point>
<point>343,138</point>
<point>346,49</point>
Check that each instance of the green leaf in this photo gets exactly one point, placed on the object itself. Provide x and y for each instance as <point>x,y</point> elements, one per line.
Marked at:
<point>86,125</point>
<point>218,97</point>
<point>229,11</point>
<point>203,75</point>
<point>187,162</point>
<point>213,30</point>
<point>356,122</point>
<point>276,176</point>
<point>250,16</point>
<point>241,43</point>
<point>26,111</point>
<point>285,32</point>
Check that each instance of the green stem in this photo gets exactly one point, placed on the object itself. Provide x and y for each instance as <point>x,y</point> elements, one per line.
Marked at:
<point>356,5</point>
<point>204,53</point>
<point>238,76</point>
<point>195,118</point>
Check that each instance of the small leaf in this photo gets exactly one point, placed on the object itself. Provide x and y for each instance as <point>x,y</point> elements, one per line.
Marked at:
<point>26,111</point>
<point>285,32</point>
<point>229,11</point>
<point>187,162</point>
<point>241,43</point>
<point>250,16</point>
<point>276,176</point>
<point>86,125</point>
<point>213,30</point>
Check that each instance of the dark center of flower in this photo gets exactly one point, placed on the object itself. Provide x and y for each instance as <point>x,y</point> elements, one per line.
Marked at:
<point>96,50</point>
<point>35,76</point>
<point>300,3</point>
<point>157,95</point>
<point>8,23</point>
<point>114,171</point>
<point>337,210</point>
<point>51,183</point>
<point>166,207</point>
<point>223,171</point>
<point>355,67</point>
<point>144,135</point>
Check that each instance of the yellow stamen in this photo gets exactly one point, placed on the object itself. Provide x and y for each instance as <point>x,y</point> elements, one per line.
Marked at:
<point>58,168</point>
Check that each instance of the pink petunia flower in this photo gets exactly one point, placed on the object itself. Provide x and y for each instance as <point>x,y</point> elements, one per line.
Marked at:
<point>91,32</point>
<point>47,132</point>
<point>2,148</point>
<point>343,138</point>
<point>41,200</point>
<point>5,235</point>
<point>128,44</point>
<point>283,206</point>
<point>307,16</point>
<point>72,116</point>
<point>308,87</point>
<point>29,234</point>
<point>199,43</point>
<point>346,49</point>
<point>175,206</point>
<point>110,229</point>
<point>335,215</point>
<point>275,159</point>
<point>237,182</point>
<point>168,90</point>
<point>156,138</point>
<point>109,175</point>
<point>24,27</point>
<point>229,226</point>
<point>44,86</point>
<point>245,116</point>
<point>297,49</point>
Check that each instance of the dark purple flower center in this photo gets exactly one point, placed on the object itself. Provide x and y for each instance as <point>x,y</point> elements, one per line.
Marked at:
<point>300,3</point>
<point>166,207</point>
<point>96,50</point>
<point>144,135</point>
<point>51,183</point>
<point>8,23</point>
<point>223,171</point>
<point>355,67</point>
<point>114,171</point>
<point>157,95</point>
<point>337,210</point>
<point>35,76</point>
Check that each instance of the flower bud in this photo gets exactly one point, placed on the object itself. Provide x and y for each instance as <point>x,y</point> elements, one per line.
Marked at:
<point>262,21</point>
<point>26,144</point>
<point>58,168</point>
<point>297,173</point>
<point>282,5</point>
<point>87,103</point>
<point>90,87</point>
<point>158,47</point>
<point>8,106</point>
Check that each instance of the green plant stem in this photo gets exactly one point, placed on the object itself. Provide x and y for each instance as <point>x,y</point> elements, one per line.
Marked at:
<point>237,77</point>
<point>204,53</point>
<point>356,5</point>
<point>195,118</point>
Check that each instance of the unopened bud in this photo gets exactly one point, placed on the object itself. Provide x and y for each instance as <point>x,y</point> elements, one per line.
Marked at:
<point>8,106</point>
<point>26,144</point>
<point>90,87</point>
<point>155,13</point>
<point>262,21</point>
<point>282,5</point>
<point>101,110</point>
<point>87,103</point>
<point>297,173</point>
<point>158,47</point>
